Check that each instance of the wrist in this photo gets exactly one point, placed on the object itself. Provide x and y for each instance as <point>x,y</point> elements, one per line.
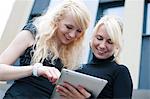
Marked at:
<point>35,69</point>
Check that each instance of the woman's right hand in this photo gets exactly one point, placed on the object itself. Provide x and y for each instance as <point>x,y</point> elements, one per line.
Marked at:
<point>51,73</point>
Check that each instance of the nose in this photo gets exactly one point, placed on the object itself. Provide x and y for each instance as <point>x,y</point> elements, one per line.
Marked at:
<point>72,34</point>
<point>102,45</point>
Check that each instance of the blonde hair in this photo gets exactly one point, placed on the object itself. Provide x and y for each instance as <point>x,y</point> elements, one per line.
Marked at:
<point>114,28</point>
<point>47,25</point>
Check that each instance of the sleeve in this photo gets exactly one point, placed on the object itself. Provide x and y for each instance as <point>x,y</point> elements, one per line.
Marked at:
<point>123,86</point>
<point>31,27</point>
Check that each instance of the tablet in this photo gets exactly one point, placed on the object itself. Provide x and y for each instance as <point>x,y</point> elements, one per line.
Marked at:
<point>90,83</point>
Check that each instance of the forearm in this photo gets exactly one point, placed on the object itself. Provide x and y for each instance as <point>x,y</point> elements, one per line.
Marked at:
<point>8,72</point>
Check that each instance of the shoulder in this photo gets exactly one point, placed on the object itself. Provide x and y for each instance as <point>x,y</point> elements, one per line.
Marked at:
<point>122,80</point>
<point>32,28</point>
<point>122,71</point>
<point>119,67</point>
<point>25,37</point>
<point>122,68</point>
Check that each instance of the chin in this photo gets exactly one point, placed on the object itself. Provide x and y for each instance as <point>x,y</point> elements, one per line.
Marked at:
<point>100,57</point>
<point>65,43</point>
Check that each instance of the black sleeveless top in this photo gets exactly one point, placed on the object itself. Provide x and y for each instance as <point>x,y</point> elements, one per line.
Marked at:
<point>32,87</point>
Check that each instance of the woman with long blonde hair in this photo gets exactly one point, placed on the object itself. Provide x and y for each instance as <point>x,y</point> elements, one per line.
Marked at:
<point>52,42</point>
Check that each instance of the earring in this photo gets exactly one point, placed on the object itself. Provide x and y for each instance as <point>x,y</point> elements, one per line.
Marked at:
<point>90,44</point>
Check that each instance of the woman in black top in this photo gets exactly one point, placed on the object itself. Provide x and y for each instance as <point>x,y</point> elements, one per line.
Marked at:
<point>106,46</point>
<point>59,32</point>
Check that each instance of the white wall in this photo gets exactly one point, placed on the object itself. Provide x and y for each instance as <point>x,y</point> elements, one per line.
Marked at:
<point>5,10</point>
<point>17,15</point>
<point>133,16</point>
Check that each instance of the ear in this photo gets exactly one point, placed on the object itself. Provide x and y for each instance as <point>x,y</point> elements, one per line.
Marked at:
<point>116,51</point>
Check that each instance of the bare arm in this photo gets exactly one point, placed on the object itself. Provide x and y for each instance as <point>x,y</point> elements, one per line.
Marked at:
<point>8,72</point>
<point>22,41</point>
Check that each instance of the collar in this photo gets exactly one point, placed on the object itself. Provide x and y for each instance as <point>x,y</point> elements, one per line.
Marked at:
<point>95,60</point>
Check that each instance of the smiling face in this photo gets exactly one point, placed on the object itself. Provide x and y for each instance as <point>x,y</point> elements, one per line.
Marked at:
<point>101,44</point>
<point>68,30</point>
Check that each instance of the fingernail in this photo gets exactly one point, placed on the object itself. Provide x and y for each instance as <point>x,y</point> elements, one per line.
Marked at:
<point>57,90</point>
<point>80,86</point>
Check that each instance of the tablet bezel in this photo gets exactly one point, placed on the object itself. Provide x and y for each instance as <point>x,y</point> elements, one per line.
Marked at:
<point>90,83</point>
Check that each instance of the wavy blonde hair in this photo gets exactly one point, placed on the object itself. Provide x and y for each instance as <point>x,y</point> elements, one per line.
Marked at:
<point>114,28</point>
<point>47,25</point>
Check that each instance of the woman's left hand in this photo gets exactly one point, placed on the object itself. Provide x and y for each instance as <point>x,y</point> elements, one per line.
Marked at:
<point>68,91</point>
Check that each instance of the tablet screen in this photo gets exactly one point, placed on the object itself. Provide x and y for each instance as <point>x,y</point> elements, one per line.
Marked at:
<point>90,83</point>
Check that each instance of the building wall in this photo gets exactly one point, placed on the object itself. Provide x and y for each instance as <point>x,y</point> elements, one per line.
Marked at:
<point>16,20</point>
<point>133,28</point>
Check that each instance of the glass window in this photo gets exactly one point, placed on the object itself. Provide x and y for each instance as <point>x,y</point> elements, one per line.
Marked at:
<point>116,11</point>
<point>148,20</point>
<point>119,11</point>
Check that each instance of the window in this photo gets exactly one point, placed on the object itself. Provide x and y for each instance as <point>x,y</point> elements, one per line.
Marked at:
<point>116,11</point>
<point>144,80</point>
<point>148,20</point>
<point>39,7</point>
<point>111,7</point>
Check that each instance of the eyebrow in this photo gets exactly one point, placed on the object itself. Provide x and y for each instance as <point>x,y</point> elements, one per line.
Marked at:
<point>73,26</point>
<point>102,36</point>
<point>98,35</point>
<point>69,24</point>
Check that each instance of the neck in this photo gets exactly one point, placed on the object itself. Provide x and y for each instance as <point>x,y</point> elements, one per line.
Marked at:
<point>96,60</point>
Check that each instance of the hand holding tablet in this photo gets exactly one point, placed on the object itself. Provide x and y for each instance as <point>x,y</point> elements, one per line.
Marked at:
<point>92,84</point>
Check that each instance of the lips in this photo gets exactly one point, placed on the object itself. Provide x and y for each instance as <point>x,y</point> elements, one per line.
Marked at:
<point>67,38</point>
<point>101,52</point>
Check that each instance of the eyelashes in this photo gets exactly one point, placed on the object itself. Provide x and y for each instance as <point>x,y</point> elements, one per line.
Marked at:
<point>68,27</point>
<point>71,27</point>
<point>100,38</point>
